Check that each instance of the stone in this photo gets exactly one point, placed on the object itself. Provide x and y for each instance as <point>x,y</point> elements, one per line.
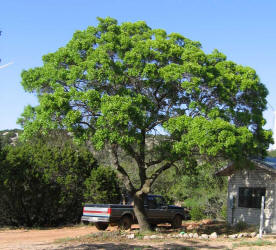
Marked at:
<point>190,227</point>
<point>204,236</point>
<point>207,222</point>
<point>253,234</point>
<point>191,235</point>
<point>195,235</point>
<point>146,237</point>
<point>233,236</point>
<point>213,235</point>
<point>153,236</point>
<point>130,236</point>
<point>225,236</point>
<point>185,235</point>
<point>245,235</point>
<point>240,235</point>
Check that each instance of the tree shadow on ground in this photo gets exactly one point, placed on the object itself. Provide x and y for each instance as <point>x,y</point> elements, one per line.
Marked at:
<point>122,246</point>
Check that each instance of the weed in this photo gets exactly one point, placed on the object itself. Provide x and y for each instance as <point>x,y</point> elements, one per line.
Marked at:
<point>64,240</point>
<point>258,242</point>
<point>240,226</point>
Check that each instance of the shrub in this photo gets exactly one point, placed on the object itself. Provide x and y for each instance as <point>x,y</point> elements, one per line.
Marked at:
<point>43,184</point>
<point>223,213</point>
<point>102,186</point>
<point>241,226</point>
<point>197,213</point>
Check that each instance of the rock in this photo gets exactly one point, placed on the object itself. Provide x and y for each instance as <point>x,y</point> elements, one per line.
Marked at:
<point>157,229</point>
<point>153,236</point>
<point>213,235</point>
<point>245,235</point>
<point>130,236</point>
<point>146,237</point>
<point>191,235</point>
<point>233,236</point>
<point>240,235</point>
<point>195,235</point>
<point>185,235</point>
<point>207,222</point>
<point>204,236</point>
<point>253,234</point>
<point>190,227</point>
<point>225,236</point>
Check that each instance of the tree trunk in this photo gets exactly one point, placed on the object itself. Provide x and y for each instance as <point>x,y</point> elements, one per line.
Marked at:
<point>140,213</point>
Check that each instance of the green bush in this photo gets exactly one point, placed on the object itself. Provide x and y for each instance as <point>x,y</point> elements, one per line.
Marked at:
<point>42,184</point>
<point>240,226</point>
<point>197,213</point>
<point>102,186</point>
<point>223,213</point>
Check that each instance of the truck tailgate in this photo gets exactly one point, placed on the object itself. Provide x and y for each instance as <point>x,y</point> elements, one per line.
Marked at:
<point>96,213</point>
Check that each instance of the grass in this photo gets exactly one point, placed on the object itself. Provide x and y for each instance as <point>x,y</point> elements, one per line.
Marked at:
<point>99,236</point>
<point>64,240</point>
<point>258,242</point>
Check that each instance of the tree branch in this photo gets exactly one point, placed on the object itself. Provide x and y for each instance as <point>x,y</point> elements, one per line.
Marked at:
<point>123,174</point>
<point>159,171</point>
<point>151,163</point>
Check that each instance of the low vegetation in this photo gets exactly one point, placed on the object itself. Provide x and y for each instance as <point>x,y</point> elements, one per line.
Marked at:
<point>44,182</point>
<point>258,243</point>
<point>66,175</point>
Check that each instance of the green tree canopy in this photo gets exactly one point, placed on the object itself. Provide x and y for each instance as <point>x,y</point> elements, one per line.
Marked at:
<point>117,85</point>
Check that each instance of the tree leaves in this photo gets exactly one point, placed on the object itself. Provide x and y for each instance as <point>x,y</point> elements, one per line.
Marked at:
<point>120,83</point>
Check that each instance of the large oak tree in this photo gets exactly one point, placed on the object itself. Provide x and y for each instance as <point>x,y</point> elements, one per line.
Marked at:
<point>118,85</point>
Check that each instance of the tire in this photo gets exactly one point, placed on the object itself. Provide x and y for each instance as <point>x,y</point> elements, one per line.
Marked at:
<point>85,222</point>
<point>125,222</point>
<point>101,226</point>
<point>153,226</point>
<point>177,221</point>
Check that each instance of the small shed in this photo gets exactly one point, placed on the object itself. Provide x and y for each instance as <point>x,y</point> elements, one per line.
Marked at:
<point>246,186</point>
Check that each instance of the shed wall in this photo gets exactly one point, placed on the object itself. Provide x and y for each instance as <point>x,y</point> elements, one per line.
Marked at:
<point>252,178</point>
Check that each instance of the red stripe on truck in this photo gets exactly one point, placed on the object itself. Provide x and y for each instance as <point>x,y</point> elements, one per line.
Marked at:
<point>95,212</point>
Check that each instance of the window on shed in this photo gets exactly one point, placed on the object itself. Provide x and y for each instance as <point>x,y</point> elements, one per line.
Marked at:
<point>251,197</point>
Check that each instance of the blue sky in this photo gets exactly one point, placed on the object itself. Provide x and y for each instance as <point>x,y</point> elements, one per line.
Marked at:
<point>243,30</point>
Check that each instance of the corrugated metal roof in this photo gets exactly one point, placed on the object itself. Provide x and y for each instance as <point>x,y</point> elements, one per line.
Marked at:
<point>268,163</point>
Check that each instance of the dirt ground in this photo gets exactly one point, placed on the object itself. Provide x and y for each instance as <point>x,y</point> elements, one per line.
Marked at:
<point>59,239</point>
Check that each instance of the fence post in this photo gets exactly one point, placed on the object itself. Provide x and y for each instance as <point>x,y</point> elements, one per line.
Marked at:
<point>261,218</point>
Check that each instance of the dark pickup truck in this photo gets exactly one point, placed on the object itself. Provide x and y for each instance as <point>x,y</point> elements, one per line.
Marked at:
<point>123,215</point>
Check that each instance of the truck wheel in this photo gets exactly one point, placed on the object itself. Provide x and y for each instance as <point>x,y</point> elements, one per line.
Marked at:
<point>85,222</point>
<point>177,221</point>
<point>125,222</point>
<point>101,226</point>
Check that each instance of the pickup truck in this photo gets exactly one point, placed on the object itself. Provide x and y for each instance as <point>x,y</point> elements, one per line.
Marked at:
<point>123,215</point>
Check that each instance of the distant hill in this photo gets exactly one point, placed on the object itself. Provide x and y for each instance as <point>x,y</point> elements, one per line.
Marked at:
<point>272,153</point>
<point>9,136</point>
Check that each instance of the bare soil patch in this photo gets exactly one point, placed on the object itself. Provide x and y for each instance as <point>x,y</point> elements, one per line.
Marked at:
<point>88,237</point>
